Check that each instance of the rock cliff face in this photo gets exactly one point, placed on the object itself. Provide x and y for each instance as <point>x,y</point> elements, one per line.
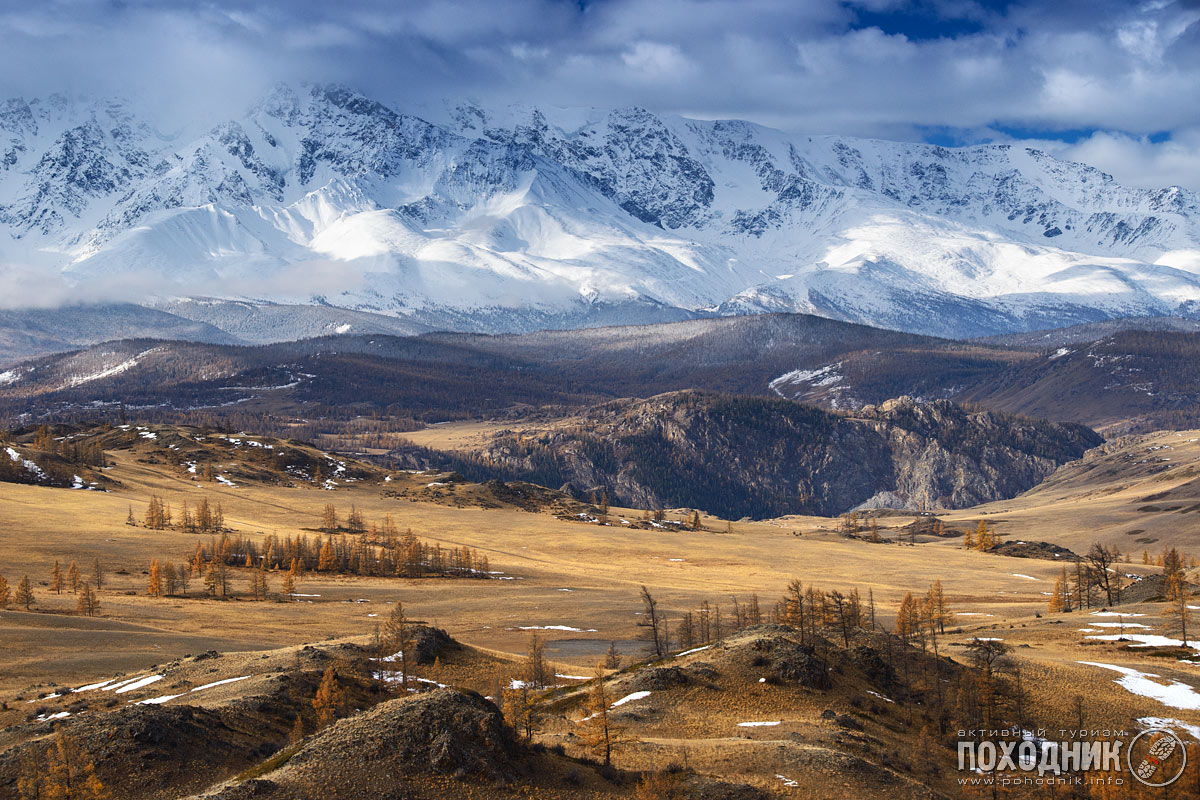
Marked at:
<point>758,457</point>
<point>518,218</point>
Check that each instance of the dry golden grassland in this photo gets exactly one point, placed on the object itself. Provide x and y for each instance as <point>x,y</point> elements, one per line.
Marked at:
<point>565,573</point>
<point>585,576</point>
<point>1137,492</point>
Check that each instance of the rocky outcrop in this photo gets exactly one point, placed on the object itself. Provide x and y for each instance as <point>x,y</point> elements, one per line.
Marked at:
<point>758,457</point>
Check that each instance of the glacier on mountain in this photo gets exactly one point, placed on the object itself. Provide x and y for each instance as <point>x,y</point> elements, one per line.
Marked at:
<point>516,218</point>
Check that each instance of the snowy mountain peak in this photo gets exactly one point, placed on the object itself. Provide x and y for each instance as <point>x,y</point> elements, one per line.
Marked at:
<point>522,216</point>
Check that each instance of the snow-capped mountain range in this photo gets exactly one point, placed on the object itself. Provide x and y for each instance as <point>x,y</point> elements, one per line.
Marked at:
<point>517,218</point>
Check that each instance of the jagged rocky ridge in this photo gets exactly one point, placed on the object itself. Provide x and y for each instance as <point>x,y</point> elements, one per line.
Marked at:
<point>740,456</point>
<point>519,218</point>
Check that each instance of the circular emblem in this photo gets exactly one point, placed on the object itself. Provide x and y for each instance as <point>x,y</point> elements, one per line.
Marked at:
<point>1156,757</point>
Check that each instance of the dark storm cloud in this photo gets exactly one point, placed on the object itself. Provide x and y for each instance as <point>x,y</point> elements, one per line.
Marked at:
<point>873,67</point>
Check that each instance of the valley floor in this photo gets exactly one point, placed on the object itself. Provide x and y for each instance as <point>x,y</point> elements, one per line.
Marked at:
<point>577,582</point>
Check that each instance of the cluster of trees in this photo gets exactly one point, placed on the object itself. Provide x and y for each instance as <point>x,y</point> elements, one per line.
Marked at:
<point>391,666</point>
<point>22,597</point>
<point>69,448</point>
<point>88,603</point>
<point>923,619</point>
<point>813,611</point>
<point>852,525</point>
<point>519,699</point>
<point>1171,560</point>
<point>206,518</point>
<point>56,459</point>
<point>810,610</point>
<point>991,693</point>
<point>60,771</point>
<point>983,538</point>
<point>380,554</point>
<point>1093,579</point>
<point>706,623</point>
<point>48,471</point>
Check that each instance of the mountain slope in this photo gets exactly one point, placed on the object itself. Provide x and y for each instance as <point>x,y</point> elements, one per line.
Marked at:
<point>512,219</point>
<point>760,457</point>
<point>1127,382</point>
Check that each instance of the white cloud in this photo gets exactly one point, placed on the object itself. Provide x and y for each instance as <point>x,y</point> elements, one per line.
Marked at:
<point>811,67</point>
<point>1137,161</point>
<point>655,60</point>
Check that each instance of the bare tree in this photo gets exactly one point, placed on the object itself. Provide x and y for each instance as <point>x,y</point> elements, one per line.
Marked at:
<point>652,621</point>
<point>1178,607</point>
<point>612,659</point>
<point>1101,559</point>
<point>398,635</point>
<point>838,604</point>
<point>538,673</point>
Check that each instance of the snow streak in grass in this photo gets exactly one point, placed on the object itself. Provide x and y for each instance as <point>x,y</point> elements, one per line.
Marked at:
<point>1174,694</point>
<point>221,683</point>
<point>629,698</point>
<point>139,683</point>
<point>693,650</point>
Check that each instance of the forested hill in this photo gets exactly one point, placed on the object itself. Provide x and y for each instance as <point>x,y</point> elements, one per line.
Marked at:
<point>760,457</point>
<point>1128,381</point>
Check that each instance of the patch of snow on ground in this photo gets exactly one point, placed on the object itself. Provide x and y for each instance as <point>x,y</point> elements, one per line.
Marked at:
<point>1026,577</point>
<point>629,698</point>
<point>693,650</point>
<point>139,683</point>
<point>220,683</point>
<point>556,628</point>
<point>759,724</point>
<point>92,686</point>
<point>47,697</point>
<point>1145,639</point>
<point>9,376</point>
<point>158,701</point>
<point>58,715</point>
<point>572,677</point>
<point>125,365</point>
<point>223,480</point>
<point>881,697</point>
<point>1174,694</point>
<point>824,376</point>
<point>26,463</point>
<point>1120,625</point>
<point>1116,614</point>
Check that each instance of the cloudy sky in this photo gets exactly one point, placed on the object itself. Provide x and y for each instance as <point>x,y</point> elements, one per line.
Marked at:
<point>1112,83</point>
